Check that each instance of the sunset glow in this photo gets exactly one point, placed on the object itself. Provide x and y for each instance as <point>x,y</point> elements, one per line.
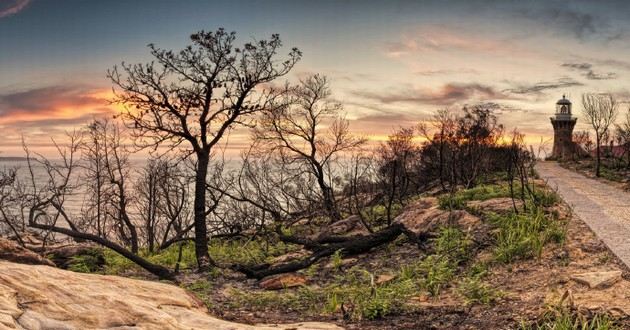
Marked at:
<point>391,64</point>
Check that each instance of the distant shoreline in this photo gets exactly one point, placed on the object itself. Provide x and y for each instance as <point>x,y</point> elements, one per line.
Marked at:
<point>12,159</point>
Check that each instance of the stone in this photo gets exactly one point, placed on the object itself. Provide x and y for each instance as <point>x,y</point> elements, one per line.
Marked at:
<point>384,278</point>
<point>291,256</point>
<point>11,251</point>
<point>350,226</point>
<point>42,297</point>
<point>345,262</point>
<point>281,281</point>
<point>497,205</point>
<point>424,217</point>
<point>598,280</point>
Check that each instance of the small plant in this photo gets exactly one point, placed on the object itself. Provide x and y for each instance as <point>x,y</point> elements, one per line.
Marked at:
<point>439,271</point>
<point>523,235</point>
<point>458,200</point>
<point>475,291</point>
<point>91,261</point>
<point>201,289</point>
<point>565,318</point>
<point>454,243</point>
<point>336,260</point>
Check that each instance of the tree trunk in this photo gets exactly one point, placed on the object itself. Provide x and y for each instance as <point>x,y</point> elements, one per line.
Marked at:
<point>201,231</point>
<point>328,195</point>
<point>598,158</point>
<point>157,270</point>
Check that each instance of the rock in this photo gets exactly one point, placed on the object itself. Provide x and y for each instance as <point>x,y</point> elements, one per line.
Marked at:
<point>43,297</point>
<point>344,263</point>
<point>11,251</point>
<point>281,281</point>
<point>291,256</point>
<point>424,216</point>
<point>384,278</point>
<point>497,205</point>
<point>350,226</point>
<point>598,280</point>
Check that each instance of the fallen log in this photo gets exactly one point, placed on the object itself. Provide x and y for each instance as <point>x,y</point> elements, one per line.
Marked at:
<point>354,246</point>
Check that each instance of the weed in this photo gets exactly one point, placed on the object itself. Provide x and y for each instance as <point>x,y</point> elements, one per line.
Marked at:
<point>523,235</point>
<point>438,272</point>
<point>458,200</point>
<point>564,318</point>
<point>475,291</point>
<point>201,288</point>
<point>336,260</point>
<point>89,262</point>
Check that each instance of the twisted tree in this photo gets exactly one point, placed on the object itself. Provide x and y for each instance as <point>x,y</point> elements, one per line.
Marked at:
<point>188,100</point>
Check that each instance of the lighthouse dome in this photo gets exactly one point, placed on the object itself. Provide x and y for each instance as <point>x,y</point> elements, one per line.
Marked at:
<point>563,100</point>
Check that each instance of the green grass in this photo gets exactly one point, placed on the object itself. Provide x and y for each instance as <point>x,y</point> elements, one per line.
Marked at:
<point>201,289</point>
<point>355,292</point>
<point>562,318</point>
<point>523,235</point>
<point>89,262</point>
<point>225,252</point>
<point>476,292</point>
<point>458,200</point>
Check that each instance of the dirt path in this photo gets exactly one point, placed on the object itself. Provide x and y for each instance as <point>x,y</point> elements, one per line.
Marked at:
<point>604,208</point>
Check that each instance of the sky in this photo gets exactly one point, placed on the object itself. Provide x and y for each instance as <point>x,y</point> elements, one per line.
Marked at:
<point>391,63</point>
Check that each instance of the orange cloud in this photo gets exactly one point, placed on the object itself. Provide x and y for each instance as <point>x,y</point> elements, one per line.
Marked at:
<point>53,104</point>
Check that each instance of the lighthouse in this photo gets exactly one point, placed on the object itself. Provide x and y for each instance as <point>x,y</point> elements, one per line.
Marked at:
<point>563,124</point>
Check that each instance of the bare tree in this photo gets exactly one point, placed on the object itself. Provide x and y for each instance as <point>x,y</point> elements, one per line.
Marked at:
<point>306,129</point>
<point>439,131</point>
<point>623,136</point>
<point>9,204</point>
<point>583,140</point>
<point>397,157</point>
<point>600,111</point>
<point>193,97</point>
<point>162,202</point>
<point>52,182</point>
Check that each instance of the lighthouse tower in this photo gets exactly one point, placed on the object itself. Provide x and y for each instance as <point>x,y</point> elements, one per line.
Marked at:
<point>563,124</point>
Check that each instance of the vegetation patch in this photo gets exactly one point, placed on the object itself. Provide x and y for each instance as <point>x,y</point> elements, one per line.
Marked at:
<point>457,200</point>
<point>565,318</point>
<point>523,235</point>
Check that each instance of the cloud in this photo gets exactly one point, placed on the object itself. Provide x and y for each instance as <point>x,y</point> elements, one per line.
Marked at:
<point>539,87</point>
<point>11,7</point>
<point>565,19</point>
<point>448,94</point>
<point>428,73</point>
<point>384,122</point>
<point>47,105</point>
<point>442,38</point>
<point>586,69</point>
<point>584,21</point>
<point>614,63</point>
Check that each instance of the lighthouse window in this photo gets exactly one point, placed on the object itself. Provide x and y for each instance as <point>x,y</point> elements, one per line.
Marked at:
<point>564,109</point>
